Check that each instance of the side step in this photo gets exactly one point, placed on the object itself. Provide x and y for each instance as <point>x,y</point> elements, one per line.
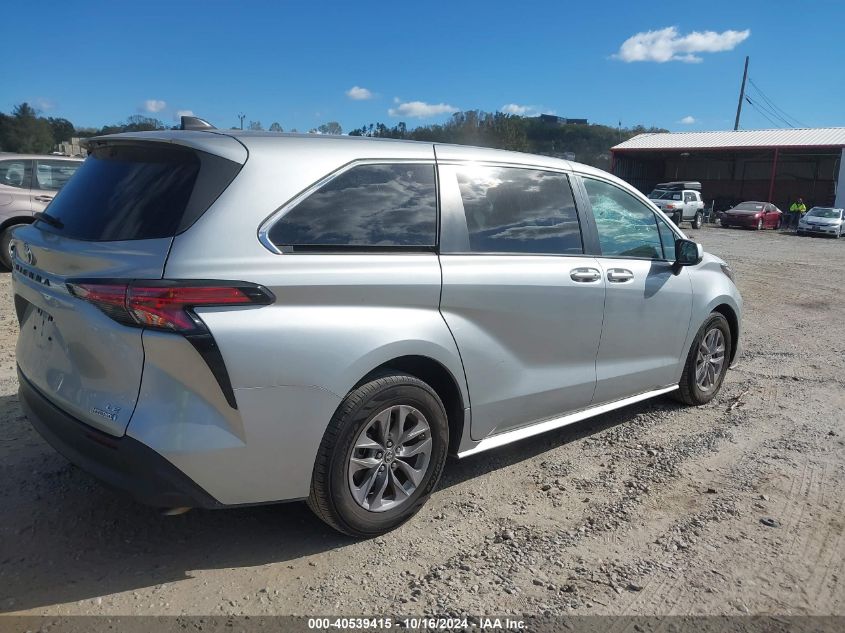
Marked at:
<point>500,439</point>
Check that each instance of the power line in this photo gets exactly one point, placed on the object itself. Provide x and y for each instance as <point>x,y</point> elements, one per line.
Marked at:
<point>774,113</point>
<point>753,105</point>
<point>761,107</point>
<point>773,105</point>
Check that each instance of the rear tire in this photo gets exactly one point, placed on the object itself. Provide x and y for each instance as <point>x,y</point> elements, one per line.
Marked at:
<point>694,389</point>
<point>698,220</point>
<point>357,452</point>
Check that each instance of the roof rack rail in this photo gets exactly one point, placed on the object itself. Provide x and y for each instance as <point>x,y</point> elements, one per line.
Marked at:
<point>195,123</point>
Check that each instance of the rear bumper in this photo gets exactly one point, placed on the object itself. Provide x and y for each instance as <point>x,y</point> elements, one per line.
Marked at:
<point>121,462</point>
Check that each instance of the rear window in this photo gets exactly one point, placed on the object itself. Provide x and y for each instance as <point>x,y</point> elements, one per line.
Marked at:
<point>749,206</point>
<point>136,192</point>
<point>662,194</point>
<point>526,211</point>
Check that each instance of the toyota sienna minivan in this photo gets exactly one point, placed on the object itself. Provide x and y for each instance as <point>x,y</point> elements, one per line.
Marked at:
<point>216,318</point>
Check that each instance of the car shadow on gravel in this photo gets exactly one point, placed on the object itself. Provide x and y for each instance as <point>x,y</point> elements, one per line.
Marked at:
<point>64,537</point>
<point>460,470</point>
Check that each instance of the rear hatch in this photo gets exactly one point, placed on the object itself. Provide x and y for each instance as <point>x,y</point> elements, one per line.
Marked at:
<point>115,220</point>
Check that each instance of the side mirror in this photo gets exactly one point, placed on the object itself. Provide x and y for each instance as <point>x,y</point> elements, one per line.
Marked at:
<point>687,253</point>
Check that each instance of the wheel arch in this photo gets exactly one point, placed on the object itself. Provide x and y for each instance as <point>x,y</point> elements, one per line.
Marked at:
<point>733,322</point>
<point>440,379</point>
<point>15,220</point>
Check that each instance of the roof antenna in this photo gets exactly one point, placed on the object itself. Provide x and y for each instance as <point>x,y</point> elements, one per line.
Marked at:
<point>195,123</point>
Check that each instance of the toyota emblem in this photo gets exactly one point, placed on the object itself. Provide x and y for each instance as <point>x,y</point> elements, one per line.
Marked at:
<point>27,251</point>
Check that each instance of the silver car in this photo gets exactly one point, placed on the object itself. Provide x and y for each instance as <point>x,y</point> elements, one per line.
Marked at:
<point>214,318</point>
<point>27,185</point>
<point>823,221</point>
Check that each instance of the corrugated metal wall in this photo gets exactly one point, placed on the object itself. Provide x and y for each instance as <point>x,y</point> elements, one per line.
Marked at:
<point>729,178</point>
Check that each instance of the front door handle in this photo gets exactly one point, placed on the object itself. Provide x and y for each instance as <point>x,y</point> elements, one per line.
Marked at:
<point>585,275</point>
<point>44,198</point>
<point>619,275</point>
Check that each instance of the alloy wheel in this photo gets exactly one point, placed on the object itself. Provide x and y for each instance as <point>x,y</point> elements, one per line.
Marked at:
<point>710,360</point>
<point>390,458</point>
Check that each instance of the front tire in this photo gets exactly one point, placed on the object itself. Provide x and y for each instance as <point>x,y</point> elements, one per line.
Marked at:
<point>381,456</point>
<point>5,240</point>
<point>707,362</point>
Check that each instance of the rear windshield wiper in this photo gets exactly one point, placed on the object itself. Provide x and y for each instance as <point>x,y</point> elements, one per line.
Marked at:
<point>49,219</point>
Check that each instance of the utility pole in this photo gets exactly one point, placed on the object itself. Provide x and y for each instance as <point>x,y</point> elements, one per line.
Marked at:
<point>741,95</point>
<point>242,116</point>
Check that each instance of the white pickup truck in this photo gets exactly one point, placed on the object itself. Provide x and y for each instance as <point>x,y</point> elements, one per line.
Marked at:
<point>681,201</point>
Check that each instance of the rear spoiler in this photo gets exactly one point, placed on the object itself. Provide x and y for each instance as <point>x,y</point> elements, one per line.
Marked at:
<point>195,123</point>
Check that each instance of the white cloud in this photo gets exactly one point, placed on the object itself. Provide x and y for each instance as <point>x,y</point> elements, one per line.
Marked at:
<point>154,105</point>
<point>357,93</point>
<point>181,113</point>
<point>521,110</point>
<point>667,45</point>
<point>42,103</point>
<point>421,110</point>
<point>524,110</point>
<point>688,120</point>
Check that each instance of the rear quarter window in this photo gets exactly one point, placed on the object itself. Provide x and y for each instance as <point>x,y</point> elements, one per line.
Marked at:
<point>370,206</point>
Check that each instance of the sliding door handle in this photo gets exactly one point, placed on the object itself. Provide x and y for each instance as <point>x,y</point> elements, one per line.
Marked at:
<point>619,275</point>
<point>585,275</point>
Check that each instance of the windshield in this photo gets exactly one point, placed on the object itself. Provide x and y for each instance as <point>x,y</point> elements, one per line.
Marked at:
<point>660,194</point>
<point>819,212</point>
<point>748,206</point>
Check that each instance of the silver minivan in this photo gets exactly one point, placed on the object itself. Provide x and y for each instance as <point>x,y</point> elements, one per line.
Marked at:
<point>216,318</point>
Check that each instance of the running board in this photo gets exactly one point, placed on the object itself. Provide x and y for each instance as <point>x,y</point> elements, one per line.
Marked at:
<point>500,439</point>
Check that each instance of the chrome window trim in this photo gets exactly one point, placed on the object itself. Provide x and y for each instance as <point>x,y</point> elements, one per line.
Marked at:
<point>267,225</point>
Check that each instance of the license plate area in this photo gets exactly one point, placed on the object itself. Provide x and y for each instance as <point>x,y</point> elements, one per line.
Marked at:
<point>42,323</point>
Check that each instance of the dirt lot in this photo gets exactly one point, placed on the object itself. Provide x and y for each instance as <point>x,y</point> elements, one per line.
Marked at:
<point>654,509</point>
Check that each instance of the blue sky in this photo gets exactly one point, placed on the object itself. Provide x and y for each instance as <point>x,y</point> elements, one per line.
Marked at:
<point>295,62</point>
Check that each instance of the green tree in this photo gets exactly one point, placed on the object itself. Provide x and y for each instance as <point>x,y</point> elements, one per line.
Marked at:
<point>25,132</point>
<point>62,129</point>
<point>332,127</point>
<point>255,125</point>
<point>275,127</point>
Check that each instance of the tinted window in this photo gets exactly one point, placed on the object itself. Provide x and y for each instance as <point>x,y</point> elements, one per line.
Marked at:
<point>626,226</point>
<point>667,238</point>
<point>511,210</point>
<point>366,206</point>
<point>749,206</point>
<point>13,173</point>
<point>52,175</point>
<point>126,192</point>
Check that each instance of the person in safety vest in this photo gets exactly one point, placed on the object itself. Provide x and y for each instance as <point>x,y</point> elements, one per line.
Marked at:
<point>797,209</point>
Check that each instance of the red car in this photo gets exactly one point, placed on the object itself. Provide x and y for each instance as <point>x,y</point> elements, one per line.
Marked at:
<point>753,215</point>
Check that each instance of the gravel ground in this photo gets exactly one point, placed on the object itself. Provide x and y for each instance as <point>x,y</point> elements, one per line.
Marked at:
<point>732,508</point>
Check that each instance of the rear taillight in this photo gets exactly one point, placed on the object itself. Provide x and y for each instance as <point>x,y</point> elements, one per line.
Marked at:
<point>166,305</point>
